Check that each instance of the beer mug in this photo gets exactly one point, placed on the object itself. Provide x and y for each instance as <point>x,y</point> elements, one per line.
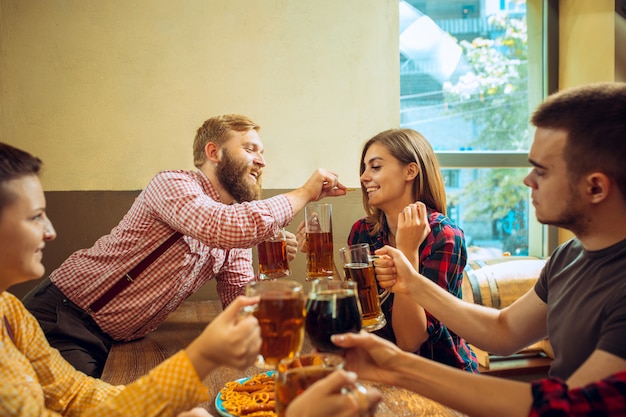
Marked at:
<point>273,261</point>
<point>358,267</point>
<point>332,308</point>
<point>319,238</point>
<point>295,375</point>
<point>280,312</point>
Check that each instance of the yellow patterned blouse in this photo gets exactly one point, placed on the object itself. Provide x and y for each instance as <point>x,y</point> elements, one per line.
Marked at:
<point>36,381</point>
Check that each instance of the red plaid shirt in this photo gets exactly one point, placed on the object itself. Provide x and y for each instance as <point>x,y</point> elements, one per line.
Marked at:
<point>442,258</point>
<point>551,397</point>
<point>216,244</point>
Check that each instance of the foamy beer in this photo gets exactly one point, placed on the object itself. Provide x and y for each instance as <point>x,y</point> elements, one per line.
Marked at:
<point>294,376</point>
<point>358,266</point>
<point>280,313</point>
<point>273,261</point>
<point>319,239</point>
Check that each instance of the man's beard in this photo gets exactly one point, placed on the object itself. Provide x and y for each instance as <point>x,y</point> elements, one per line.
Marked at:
<point>233,176</point>
<point>572,217</point>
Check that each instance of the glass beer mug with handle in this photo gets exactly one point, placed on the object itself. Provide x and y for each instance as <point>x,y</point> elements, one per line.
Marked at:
<point>296,375</point>
<point>359,267</point>
<point>280,313</point>
<point>332,308</point>
<point>273,259</point>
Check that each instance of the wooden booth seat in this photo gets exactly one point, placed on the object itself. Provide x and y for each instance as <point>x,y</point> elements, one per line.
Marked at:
<point>498,283</point>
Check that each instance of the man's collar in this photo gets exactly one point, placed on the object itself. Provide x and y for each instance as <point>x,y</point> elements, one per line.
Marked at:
<point>207,186</point>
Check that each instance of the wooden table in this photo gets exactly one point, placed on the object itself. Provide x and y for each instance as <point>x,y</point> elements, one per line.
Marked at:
<point>128,361</point>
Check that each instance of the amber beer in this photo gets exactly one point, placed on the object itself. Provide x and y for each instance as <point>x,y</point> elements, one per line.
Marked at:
<point>282,328</point>
<point>320,261</point>
<point>363,275</point>
<point>359,267</point>
<point>294,376</point>
<point>273,262</point>
<point>319,240</point>
<point>280,313</point>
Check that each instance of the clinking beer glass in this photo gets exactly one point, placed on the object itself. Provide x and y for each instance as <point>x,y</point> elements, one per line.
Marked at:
<point>280,313</point>
<point>358,266</point>
<point>296,375</point>
<point>332,308</point>
<point>319,238</point>
<point>273,261</point>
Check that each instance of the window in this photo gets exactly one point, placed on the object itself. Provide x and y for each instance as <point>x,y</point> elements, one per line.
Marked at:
<point>468,85</point>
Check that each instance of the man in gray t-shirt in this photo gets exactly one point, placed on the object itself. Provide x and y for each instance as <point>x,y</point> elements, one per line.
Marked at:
<point>578,182</point>
<point>585,292</point>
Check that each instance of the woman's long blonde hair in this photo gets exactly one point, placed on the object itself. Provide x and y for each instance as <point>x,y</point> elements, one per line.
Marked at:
<point>408,146</point>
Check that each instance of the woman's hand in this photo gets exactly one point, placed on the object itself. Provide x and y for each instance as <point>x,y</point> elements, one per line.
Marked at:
<point>195,412</point>
<point>394,271</point>
<point>337,396</point>
<point>232,339</point>
<point>292,245</point>
<point>301,238</point>
<point>413,228</point>
<point>371,357</point>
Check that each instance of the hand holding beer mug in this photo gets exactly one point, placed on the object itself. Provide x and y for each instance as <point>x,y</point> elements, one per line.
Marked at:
<point>358,266</point>
<point>296,375</point>
<point>332,308</point>
<point>273,262</point>
<point>280,313</point>
<point>319,240</point>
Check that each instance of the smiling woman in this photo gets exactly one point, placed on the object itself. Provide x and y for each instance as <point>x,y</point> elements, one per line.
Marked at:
<point>405,205</point>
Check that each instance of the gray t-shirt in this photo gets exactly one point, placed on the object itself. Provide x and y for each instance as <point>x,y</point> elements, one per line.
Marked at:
<point>586,296</point>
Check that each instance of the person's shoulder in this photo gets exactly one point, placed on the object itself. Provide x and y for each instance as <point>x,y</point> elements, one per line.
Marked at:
<point>360,231</point>
<point>10,303</point>
<point>563,255</point>
<point>439,222</point>
<point>435,217</point>
<point>173,174</point>
<point>7,297</point>
<point>568,247</point>
<point>361,224</point>
<point>164,177</point>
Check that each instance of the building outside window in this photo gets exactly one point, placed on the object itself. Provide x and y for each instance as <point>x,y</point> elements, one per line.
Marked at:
<point>467,86</point>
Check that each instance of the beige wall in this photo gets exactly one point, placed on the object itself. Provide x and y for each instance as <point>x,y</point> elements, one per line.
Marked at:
<point>110,92</point>
<point>587,47</point>
<point>587,41</point>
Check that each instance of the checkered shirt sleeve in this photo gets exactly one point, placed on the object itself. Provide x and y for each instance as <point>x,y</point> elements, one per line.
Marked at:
<point>37,381</point>
<point>551,397</point>
<point>443,256</point>
<point>216,244</point>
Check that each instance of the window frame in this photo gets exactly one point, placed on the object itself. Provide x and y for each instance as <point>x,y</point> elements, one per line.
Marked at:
<point>542,22</point>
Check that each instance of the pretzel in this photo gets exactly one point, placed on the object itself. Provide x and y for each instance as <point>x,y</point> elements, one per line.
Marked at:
<point>252,398</point>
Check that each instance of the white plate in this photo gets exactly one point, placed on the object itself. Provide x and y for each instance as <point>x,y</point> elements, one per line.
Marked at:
<point>218,401</point>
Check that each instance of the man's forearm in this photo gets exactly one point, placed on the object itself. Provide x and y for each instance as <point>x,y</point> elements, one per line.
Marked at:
<point>477,324</point>
<point>475,395</point>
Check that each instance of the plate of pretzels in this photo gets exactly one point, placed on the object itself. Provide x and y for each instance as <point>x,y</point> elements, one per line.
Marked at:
<point>248,397</point>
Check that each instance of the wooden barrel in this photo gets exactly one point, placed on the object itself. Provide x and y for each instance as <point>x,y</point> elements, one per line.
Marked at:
<point>499,282</point>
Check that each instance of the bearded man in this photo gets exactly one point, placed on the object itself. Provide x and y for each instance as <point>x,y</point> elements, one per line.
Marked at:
<point>185,228</point>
